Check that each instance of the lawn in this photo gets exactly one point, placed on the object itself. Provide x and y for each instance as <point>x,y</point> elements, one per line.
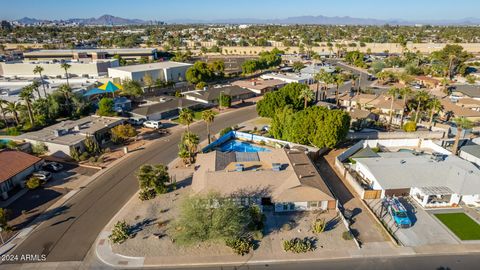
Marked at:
<point>461,225</point>
<point>197,116</point>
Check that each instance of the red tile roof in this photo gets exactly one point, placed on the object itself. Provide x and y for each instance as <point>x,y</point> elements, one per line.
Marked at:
<point>14,162</point>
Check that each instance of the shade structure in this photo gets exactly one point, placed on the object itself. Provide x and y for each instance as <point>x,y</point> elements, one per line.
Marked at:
<point>108,87</point>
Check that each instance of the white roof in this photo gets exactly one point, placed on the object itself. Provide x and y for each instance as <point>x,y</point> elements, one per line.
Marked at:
<point>288,76</point>
<point>151,66</point>
<point>405,170</point>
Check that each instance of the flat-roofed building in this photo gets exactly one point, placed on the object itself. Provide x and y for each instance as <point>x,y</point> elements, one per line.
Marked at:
<point>290,77</point>
<point>94,54</point>
<point>260,86</point>
<point>167,71</point>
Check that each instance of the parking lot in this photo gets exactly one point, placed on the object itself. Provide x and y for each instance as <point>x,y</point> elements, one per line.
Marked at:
<point>424,231</point>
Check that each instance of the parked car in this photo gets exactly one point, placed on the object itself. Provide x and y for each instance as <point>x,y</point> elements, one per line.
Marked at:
<point>398,212</point>
<point>136,122</point>
<point>42,175</point>
<point>153,124</point>
<point>52,166</point>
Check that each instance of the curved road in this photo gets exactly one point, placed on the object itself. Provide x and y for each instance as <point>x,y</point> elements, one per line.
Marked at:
<point>69,234</point>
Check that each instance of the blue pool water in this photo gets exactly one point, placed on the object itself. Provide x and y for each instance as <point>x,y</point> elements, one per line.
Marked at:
<point>240,146</point>
<point>4,141</point>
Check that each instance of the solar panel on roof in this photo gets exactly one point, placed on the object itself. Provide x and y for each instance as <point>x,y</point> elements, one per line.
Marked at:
<point>246,156</point>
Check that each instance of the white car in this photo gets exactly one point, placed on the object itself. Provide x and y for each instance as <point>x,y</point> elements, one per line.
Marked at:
<point>152,124</point>
<point>42,175</point>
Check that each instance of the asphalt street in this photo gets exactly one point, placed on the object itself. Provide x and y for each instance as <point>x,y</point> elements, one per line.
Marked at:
<point>69,234</point>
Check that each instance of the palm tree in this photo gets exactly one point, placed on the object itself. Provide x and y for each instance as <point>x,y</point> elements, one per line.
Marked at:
<point>186,117</point>
<point>338,80</point>
<point>326,79</point>
<point>67,93</point>
<point>208,116</point>
<point>3,111</point>
<point>38,70</point>
<point>14,108</point>
<point>434,105</point>
<point>405,92</point>
<point>190,141</point>
<point>393,93</point>
<point>462,123</point>
<point>421,98</point>
<point>307,95</point>
<point>35,85</point>
<point>444,82</point>
<point>66,66</point>
<point>27,95</point>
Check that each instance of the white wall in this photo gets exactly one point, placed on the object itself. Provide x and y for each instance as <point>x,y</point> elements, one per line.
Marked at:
<point>300,206</point>
<point>25,69</point>
<point>469,157</point>
<point>472,199</point>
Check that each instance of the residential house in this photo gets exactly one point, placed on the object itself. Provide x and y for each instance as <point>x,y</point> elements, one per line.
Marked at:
<point>454,109</point>
<point>61,138</point>
<point>290,77</point>
<point>284,179</point>
<point>471,153</point>
<point>212,95</point>
<point>379,104</point>
<point>361,118</point>
<point>427,81</point>
<point>259,86</point>
<point>164,108</point>
<point>15,167</point>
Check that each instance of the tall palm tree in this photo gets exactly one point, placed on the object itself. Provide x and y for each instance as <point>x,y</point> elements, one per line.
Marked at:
<point>14,108</point>
<point>66,67</point>
<point>208,116</point>
<point>186,117</point>
<point>462,123</point>
<point>307,95</point>
<point>434,105</point>
<point>27,96</point>
<point>67,94</point>
<point>35,87</point>
<point>338,80</point>
<point>421,97</point>
<point>190,140</point>
<point>393,93</point>
<point>318,77</point>
<point>444,82</point>
<point>406,92</point>
<point>3,111</point>
<point>38,70</point>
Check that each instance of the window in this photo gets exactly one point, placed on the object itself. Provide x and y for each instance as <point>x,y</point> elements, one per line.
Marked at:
<point>312,204</point>
<point>285,206</point>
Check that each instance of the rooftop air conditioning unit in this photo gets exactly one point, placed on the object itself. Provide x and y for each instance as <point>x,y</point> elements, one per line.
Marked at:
<point>276,167</point>
<point>239,167</point>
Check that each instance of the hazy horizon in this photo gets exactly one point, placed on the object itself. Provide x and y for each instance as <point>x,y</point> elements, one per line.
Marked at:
<point>408,10</point>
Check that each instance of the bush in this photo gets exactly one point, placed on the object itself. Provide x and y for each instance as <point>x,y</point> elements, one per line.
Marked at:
<point>145,195</point>
<point>105,107</point>
<point>297,245</point>
<point>33,183</point>
<point>225,131</point>
<point>39,148</point>
<point>347,235</point>
<point>319,225</point>
<point>121,232</point>
<point>225,101</point>
<point>4,214</point>
<point>240,245</point>
<point>13,131</point>
<point>122,133</point>
<point>410,126</point>
<point>83,156</point>
<point>257,235</point>
<point>92,159</point>
<point>200,85</point>
<point>286,227</point>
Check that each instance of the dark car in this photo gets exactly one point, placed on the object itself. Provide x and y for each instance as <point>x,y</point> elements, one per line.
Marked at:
<point>52,166</point>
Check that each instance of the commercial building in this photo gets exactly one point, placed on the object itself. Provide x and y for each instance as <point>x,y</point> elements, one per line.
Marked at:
<point>78,68</point>
<point>164,108</point>
<point>16,166</point>
<point>284,179</point>
<point>61,138</point>
<point>93,54</point>
<point>167,71</point>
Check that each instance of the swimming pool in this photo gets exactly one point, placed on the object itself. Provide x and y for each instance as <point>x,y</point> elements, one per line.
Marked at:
<point>4,141</point>
<point>240,146</point>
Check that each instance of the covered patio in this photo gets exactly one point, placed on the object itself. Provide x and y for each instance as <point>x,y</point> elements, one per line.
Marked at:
<point>432,197</point>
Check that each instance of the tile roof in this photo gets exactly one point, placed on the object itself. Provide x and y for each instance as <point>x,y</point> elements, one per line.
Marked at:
<point>14,162</point>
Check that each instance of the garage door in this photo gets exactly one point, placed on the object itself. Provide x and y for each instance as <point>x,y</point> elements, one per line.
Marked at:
<point>397,192</point>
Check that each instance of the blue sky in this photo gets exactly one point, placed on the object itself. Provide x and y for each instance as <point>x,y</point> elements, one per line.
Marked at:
<point>217,9</point>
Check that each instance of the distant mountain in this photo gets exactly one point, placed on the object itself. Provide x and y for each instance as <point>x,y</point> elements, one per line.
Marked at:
<point>326,20</point>
<point>102,20</point>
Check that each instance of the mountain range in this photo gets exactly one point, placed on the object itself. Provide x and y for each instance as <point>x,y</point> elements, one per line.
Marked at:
<point>326,20</point>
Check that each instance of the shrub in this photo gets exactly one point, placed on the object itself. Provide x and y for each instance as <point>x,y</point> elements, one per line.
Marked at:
<point>200,85</point>
<point>240,245</point>
<point>318,226</point>
<point>298,245</point>
<point>145,195</point>
<point>13,131</point>
<point>257,235</point>
<point>83,156</point>
<point>121,232</point>
<point>410,126</point>
<point>122,133</point>
<point>225,131</point>
<point>39,148</point>
<point>347,235</point>
<point>286,227</point>
<point>100,159</point>
<point>33,183</point>
<point>92,159</point>
<point>4,214</point>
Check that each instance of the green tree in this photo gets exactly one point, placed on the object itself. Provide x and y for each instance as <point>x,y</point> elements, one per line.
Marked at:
<point>153,178</point>
<point>3,111</point>
<point>4,219</point>
<point>188,146</point>
<point>297,66</point>
<point>225,101</point>
<point>210,217</point>
<point>38,70</point>
<point>131,88</point>
<point>121,133</point>
<point>199,72</point>
<point>91,145</point>
<point>105,107</point>
<point>287,95</point>
<point>405,92</point>
<point>208,116</point>
<point>148,81</point>
<point>434,105</point>
<point>462,123</point>
<point>66,91</point>
<point>186,117</point>
<point>39,148</point>
<point>66,67</point>
<point>339,80</point>
<point>393,93</point>
<point>421,98</point>
<point>120,233</point>
<point>250,66</point>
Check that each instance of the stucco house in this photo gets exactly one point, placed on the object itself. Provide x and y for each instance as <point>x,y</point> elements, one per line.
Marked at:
<point>15,167</point>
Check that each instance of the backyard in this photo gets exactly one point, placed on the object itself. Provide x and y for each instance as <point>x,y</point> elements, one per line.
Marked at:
<point>461,225</point>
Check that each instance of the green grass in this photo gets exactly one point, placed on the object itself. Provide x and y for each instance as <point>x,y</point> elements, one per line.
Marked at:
<point>197,116</point>
<point>461,225</point>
